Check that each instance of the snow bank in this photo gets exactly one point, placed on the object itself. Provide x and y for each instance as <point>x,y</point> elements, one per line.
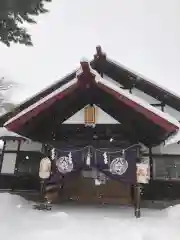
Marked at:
<point>173,212</point>
<point>19,221</point>
<point>8,200</point>
<point>10,203</point>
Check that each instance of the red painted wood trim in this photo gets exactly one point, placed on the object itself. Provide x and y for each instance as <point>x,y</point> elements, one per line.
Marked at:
<point>147,113</point>
<point>17,123</point>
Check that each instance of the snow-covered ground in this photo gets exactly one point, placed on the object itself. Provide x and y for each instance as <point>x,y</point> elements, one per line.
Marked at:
<point>19,221</point>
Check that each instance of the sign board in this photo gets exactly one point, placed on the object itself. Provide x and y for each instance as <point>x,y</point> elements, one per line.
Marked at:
<point>45,168</point>
<point>143,173</point>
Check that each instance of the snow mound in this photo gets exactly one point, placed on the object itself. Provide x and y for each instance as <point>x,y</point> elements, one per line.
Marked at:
<point>19,221</point>
<point>60,214</point>
<point>11,201</point>
<point>173,212</point>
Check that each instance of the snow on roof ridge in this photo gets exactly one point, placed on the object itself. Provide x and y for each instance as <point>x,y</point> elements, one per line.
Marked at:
<point>143,103</point>
<point>42,100</point>
<point>138,100</point>
<point>38,93</point>
<point>109,84</point>
<point>6,133</point>
<point>141,76</point>
<point>66,85</point>
<point>173,139</point>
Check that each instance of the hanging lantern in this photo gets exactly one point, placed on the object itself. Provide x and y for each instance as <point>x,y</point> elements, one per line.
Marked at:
<point>90,115</point>
<point>45,168</point>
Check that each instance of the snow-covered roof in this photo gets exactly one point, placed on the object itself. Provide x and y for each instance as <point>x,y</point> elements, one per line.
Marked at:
<point>43,100</point>
<point>142,78</point>
<point>174,139</point>
<point>6,133</point>
<point>136,99</point>
<point>155,115</point>
<point>171,140</point>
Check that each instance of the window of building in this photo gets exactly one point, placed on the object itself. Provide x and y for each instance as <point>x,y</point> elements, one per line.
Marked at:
<point>28,163</point>
<point>8,164</point>
<point>166,167</point>
<point>11,145</point>
<point>30,146</point>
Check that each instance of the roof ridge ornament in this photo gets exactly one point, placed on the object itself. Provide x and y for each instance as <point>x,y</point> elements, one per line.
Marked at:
<point>87,72</point>
<point>99,53</point>
<point>84,65</point>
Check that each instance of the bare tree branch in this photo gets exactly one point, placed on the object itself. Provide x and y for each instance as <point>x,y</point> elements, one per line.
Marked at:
<point>6,88</point>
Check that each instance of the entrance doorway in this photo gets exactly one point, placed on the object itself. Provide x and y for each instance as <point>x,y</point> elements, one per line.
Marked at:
<point>83,189</point>
<point>80,188</point>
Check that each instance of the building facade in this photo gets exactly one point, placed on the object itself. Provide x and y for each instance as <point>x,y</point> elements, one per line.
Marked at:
<point>109,108</point>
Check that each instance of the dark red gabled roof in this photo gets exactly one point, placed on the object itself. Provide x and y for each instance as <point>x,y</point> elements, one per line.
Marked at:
<point>117,72</point>
<point>88,87</point>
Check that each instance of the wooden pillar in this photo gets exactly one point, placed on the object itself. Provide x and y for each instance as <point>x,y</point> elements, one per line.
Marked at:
<point>2,155</point>
<point>17,179</point>
<point>17,163</point>
<point>151,163</point>
<point>137,198</point>
<point>42,190</point>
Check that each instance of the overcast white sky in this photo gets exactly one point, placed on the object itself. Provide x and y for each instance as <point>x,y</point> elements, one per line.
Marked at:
<point>144,35</point>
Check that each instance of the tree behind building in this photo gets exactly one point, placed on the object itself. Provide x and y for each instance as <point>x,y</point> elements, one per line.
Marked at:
<point>13,13</point>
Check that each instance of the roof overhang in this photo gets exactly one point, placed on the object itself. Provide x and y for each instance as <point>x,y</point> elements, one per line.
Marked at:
<point>7,135</point>
<point>89,87</point>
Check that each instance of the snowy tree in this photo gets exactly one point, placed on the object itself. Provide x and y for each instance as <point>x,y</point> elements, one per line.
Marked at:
<point>13,13</point>
<point>5,90</point>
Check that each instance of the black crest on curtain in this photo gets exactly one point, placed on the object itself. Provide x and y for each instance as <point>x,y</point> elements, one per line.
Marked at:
<point>118,165</point>
<point>70,160</point>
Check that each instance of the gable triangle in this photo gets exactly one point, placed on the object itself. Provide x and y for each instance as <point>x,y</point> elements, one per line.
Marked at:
<point>101,117</point>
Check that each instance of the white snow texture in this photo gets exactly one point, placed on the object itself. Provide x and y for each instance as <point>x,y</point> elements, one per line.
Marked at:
<point>19,221</point>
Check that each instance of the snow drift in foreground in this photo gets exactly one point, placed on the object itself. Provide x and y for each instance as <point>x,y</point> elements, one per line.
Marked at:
<point>19,221</point>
